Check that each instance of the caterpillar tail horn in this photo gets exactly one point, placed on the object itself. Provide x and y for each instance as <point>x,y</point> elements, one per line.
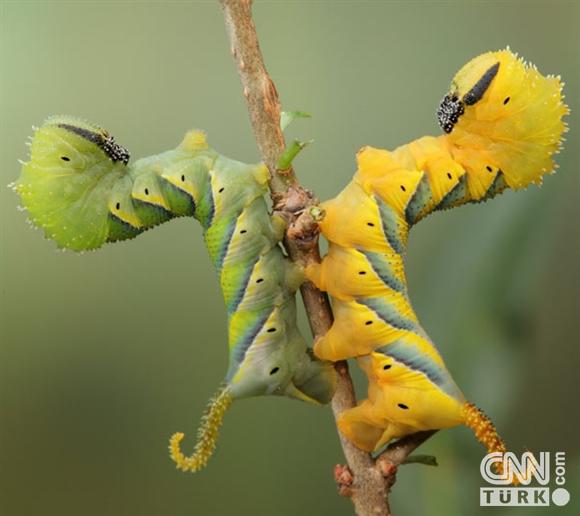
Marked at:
<point>483,428</point>
<point>207,434</point>
<point>486,433</point>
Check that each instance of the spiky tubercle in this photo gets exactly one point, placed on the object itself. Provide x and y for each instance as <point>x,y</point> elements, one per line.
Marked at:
<point>207,434</point>
<point>484,430</point>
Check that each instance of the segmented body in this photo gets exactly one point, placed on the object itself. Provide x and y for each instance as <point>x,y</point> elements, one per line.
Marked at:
<point>503,123</point>
<point>79,188</point>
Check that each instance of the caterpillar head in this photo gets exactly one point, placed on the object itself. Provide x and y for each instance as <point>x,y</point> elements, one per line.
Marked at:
<point>468,87</point>
<point>496,106</point>
<point>66,183</point>
<point>92,133</point>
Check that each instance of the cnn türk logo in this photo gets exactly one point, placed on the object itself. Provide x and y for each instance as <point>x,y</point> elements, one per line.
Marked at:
<point>523,471</point>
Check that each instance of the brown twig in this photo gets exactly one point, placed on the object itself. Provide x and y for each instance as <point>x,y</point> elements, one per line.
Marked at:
<point>371,483</point>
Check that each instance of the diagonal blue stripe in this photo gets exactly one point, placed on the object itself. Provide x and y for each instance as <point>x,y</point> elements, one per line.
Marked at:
<point>384,271</point>
<point>411,356</point>
<point>391,226</point>
<point>240,348</point>
<point>388,313</point>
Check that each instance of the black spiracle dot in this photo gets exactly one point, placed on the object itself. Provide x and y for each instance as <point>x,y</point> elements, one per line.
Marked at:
<point>65,158</point>
<point>271,330</point>
<point>146,191</point>
<point>362,273</point>
<point>221,189</point>
<point>243,231</point>
<point>506,100</point>
<point>259,280</point>
<point>368,323</point>
<point>118,205</point>
<point>274,370</point>
<point>370,224</point>
<point>403,188</point>
<point>183,179</point>
<point>386,366</point>
<point>489,169</point>
<point>449,175</point>
<point>403,406</point>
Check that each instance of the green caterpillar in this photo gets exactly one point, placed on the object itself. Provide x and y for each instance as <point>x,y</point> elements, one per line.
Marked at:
<point>80,188</point>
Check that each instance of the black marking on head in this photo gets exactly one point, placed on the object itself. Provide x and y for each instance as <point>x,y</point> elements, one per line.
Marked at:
<point>274,371</point>
<point>115,151</point>
<point>449,111</point>
<point>403,406</point>
<point>476,93</point>
<point>452,107</point>
<point>103,141</point>
<point>84,133</point>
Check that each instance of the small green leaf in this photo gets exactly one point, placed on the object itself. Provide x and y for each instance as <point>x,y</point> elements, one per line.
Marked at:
<point>317,213</point>
<point>427,460</point>
<point>287,117</point>
<point>286,158</point>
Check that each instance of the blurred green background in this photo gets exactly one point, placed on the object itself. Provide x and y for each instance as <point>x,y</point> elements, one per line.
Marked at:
<point>104,355</point>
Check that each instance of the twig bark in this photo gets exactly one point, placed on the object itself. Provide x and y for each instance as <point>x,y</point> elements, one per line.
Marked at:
<point>372,480</point>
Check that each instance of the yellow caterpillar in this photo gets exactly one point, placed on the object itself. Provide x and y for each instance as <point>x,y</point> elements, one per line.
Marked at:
<point>502,122</point>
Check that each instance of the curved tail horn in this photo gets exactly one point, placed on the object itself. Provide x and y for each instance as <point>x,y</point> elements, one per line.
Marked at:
<point>485,432</point>
<point>207,434</point>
